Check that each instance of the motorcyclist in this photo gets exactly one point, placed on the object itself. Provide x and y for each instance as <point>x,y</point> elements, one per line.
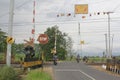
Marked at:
<point>55,58</point>
<point>78,58</point>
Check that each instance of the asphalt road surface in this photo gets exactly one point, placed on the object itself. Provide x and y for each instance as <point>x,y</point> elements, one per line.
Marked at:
<point>80,71</point>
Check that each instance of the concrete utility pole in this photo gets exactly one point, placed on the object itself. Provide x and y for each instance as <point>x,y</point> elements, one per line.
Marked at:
<point>106,45</point>
<point>11,9</point>
<point>79,31</point>
<point>55,38</point>
<point>109,41</point>
<point>112,44</point>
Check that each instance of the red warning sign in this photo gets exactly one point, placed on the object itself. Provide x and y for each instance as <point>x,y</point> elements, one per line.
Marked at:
<point>43,38</point>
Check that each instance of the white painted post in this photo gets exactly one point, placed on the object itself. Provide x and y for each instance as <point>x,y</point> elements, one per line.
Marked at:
<point>11,9</point>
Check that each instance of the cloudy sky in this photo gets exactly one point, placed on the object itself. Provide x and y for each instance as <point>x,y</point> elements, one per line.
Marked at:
<point>93,28</point>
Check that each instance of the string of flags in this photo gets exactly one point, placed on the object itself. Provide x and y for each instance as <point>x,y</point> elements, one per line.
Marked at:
<point>62,14</point>
<point>83,16</point>
<point>81,9</point>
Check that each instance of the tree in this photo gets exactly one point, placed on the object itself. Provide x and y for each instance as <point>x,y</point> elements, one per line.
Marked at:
<point>3,44</point>
<point>61,41</point>
<point>69,45</point>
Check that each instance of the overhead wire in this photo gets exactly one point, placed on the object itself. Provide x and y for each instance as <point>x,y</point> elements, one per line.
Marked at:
<point>65,21</point>
<point>52,21</point>
<point>26,2</point>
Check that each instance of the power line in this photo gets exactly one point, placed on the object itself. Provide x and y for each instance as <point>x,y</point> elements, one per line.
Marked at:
<point>49,23</point>
<point>66,21</point>
<point>98,2</point>
<point>21,5</point>
<point>26,2</point>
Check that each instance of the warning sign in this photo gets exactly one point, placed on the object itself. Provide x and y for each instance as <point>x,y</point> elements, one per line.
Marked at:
<point>10,40</point>
<point>43,38</point>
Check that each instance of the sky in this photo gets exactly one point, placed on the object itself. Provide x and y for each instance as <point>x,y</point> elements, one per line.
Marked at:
<point>92,28</point>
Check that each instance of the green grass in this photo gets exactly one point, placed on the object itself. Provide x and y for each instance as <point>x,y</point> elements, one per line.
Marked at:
<point>1,56</point>
<point>97,59</point>
<point>8,73</point>
<point>18,56</point>
<point>37,75</point>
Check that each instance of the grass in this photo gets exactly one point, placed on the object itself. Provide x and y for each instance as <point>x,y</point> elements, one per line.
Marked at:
<point>8,73</point>
<point>17,57</point>
<point>1,56</point>
<point>37,75</point>
<point>97,59</point>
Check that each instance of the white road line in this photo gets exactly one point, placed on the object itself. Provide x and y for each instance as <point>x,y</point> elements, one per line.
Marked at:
<point>87,75</point>
<point>77,70</point>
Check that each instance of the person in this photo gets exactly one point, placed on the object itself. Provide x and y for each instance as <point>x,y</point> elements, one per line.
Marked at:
<point>55,58</point>
<point>85,59</point>
<point>78,58</point>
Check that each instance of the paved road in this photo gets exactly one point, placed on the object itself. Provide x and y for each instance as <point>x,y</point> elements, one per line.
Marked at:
<point>79,71</point>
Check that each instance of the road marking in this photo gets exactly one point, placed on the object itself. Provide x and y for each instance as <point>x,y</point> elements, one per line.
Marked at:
<point>87,75</point>
<point>77,70</point>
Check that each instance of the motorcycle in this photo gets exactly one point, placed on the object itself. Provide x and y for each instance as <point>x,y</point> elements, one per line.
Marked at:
<point>55,62</point>
<point>55,58</point>
<point>78,60</point>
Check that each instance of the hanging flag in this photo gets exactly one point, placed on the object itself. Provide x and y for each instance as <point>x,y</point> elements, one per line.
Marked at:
<point>69,14</point>
<point>82,42</point>
<point>104,13</point>
<point>58,15</point>
<point>90,15</point>
<point>83,17</point>
<point>94,13</point>
<point>98,13</point>
<point>62,14</point>
<point>81,9</point>
<point>33,31</point>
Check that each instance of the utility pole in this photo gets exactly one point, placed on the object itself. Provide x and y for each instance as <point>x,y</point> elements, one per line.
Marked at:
<point>80,37</point>
<point>106,45</point>
<point>112,44</point>
<point>10,28</point>
<point>55,39</point>
<point>109,41</point>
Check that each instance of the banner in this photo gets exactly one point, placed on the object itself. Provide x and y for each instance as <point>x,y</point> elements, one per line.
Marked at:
<point>81,9</point>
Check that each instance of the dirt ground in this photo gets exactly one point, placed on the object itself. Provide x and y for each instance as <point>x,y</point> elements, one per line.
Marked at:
<point>49,70</point>
<point>99,67</point>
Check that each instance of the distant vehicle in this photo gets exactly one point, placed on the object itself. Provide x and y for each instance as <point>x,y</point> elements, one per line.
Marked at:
<point>85,59</point>
<point>78,58</point>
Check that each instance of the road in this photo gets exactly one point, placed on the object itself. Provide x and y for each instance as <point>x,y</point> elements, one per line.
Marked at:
<point>80,71</point>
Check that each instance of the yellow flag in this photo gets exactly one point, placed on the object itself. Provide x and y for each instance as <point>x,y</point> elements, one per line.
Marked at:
<point>81,9</point>
<point>82,42</point>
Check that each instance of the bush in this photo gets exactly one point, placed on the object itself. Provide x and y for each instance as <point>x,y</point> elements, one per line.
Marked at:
<point>7,73</point>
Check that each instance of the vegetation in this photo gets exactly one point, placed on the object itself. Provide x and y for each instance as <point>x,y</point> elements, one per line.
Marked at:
<point>37,75</point>
<point>62,45</point>
<point>97,59</point>
<point>8,73</point>
<point>3,44</point>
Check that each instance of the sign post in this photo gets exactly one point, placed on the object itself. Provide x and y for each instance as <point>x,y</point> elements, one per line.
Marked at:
<point>8,58</point>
